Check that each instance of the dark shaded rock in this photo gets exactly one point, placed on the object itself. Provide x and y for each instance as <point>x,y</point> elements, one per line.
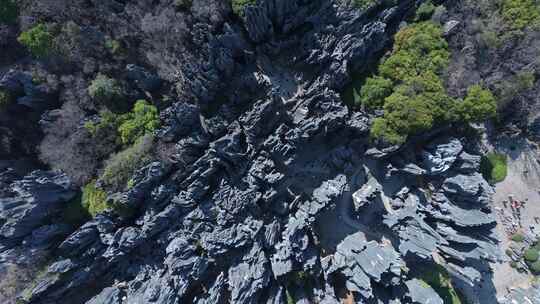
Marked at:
<point>34,201</point>
<point>143,79</point>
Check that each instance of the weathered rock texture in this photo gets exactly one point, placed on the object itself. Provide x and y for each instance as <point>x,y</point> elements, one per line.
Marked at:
<point>259,148</point>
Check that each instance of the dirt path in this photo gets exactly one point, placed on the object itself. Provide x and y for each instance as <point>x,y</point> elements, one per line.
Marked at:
<point>522,182</point>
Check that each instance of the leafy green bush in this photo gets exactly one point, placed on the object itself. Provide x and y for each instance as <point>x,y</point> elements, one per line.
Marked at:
<point>8,11</point>
<point>410,90</point>
<point>93,199</point>
<point>106,91</point>
<point>143,119</point>
<point>493,167</point>
<point>438,278</point>
<point>530,255</point>
<point>121,166</point>
<point>38,40</point>
<point>516,85</point>
<point>535,267</point>
<point>106,126</point>
<point>425,10</point>
<point>239,5</point>
<point>478,105</point>
<point>374,91</point>
<point>521,13</point>
<point>518,237</point>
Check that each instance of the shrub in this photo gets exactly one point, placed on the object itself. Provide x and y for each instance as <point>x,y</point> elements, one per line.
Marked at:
<point>121,166</point>
<point>94,200</point>
<point>535,267</point>
<point>418,98</point>
<point>425,10</point>
<point>530,255</point>
<point>38,40</point>
<point>106,91</point>
<point>143,119</point>
<point>516,85</point>
<point>239,5</point>
<point>521,13</point>
<point>374,91</point>
<point>8,11</point>
<point>493,167</point>
<point>477,106</point>
<point>518,237</point>
<point>183,4</point>
<point>410,90</point>
<point>106,129</point>
<point>439,279</point>
<point>364,4</point>
<point>75,213</point>
<point>113,46</point>
<point>5,99</point>
<point>525,80</point>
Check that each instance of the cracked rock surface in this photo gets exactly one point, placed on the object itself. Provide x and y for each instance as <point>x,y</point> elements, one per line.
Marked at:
<point>277,193</point>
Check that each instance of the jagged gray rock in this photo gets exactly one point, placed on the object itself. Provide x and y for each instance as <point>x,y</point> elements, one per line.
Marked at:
<point>235,209</point>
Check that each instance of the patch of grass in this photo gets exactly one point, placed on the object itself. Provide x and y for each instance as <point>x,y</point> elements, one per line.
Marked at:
<point>439,279</point>
<point>494,167</point>
<point>518,237</point>
<point>38,40</point>
<point>8,11</point>
<point>530,255</point>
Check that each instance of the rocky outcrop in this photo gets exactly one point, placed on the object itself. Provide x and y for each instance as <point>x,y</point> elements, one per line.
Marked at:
<point>233,212</point>
<point>31,205</point>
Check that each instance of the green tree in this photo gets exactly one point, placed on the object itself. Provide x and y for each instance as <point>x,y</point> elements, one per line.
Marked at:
<point>121,166</point>
<point>8,11</point>
<point>425,10</point>
<point>521,13</point>
<point>374,91</point>
<point>38,40</point>
<point>143,119</point>
<point>479,105</point>
<point>494,169</point>
<point>535,267</point>
<point>93,199</point>
<point>106,91</point>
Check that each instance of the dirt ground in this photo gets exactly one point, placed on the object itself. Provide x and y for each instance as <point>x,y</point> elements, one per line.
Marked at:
<point>522,183</point>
